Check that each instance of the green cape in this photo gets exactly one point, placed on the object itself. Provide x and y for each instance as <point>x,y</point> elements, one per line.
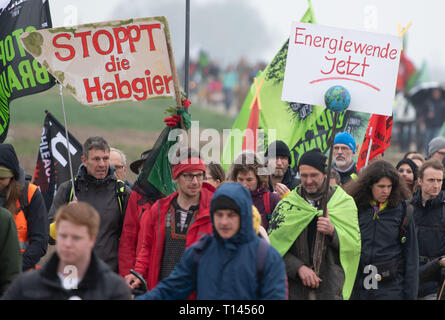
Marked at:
<point>293,214</point>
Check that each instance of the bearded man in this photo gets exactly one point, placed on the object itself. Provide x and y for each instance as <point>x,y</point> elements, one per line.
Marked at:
<point>344,150</point>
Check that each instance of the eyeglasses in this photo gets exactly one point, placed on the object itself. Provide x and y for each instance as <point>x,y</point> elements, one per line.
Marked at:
<point>190,176</point>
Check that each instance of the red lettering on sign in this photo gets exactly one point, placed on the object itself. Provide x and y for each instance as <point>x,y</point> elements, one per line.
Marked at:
<point>84,35</point>
<point>71,50</point>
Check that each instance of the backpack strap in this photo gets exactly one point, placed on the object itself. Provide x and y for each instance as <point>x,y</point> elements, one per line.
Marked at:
<point>198,249</point>
<point>120,193</point>
<point>25,198</point>
<point>408,216</point>
<point>266,200</point>
<point>70,193</point>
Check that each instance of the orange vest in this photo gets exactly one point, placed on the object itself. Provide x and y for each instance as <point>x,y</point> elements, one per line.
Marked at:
<point>20,219</point>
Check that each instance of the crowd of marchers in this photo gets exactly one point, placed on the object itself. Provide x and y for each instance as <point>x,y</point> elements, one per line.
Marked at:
<point>306,233</point>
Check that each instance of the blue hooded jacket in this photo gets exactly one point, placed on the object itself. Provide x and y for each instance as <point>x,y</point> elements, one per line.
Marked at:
<point>227,267</point>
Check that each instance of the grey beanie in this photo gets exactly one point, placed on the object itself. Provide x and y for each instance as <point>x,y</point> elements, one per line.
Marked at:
<point>434,145</point>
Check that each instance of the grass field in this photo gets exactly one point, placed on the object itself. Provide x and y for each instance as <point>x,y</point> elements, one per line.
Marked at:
<point>131,127</point>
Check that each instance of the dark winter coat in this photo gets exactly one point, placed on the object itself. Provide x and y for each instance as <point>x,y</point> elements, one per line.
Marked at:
<point>346,176</point>
<point>10,257</point>
<point>101,194</point>
<point>99,283</point>
<point>430,227</point>
<point>382,247</point>
<point>289,180</point>
<point>227,267</point>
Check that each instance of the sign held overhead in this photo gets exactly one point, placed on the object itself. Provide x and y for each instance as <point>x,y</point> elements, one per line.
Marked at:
<point>107,62</point>
<point>365,63</point>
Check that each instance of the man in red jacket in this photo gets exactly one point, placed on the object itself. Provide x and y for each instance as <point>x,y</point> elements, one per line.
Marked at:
<point>174,223</point>
<point>138,205</point>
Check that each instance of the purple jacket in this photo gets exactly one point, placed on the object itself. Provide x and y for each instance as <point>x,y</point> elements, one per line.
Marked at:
<point>258,202</point>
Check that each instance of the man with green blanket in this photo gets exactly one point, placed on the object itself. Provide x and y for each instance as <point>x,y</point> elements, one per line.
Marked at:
<point>293,228</point>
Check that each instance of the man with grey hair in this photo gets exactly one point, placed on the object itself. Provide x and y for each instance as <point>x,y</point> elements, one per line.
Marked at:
<point>119,161</point>
<point>97,185</point>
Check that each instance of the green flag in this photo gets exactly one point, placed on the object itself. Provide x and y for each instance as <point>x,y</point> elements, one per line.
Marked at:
<point>302,127</point>
<point>155,179</point>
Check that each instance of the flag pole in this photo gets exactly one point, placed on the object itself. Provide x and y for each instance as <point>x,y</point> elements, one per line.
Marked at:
<point>369,147</point>
<point>369,151</point>
<point>187,48</point>
<point>320,238</point>
<point>335,105</point>
<point>67,141</point>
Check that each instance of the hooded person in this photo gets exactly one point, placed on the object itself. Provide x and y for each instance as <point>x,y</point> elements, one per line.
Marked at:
<point>25,201</point>
<point>225,265</point>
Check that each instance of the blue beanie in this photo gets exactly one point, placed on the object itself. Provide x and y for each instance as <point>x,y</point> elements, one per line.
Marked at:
<point>345,138</point>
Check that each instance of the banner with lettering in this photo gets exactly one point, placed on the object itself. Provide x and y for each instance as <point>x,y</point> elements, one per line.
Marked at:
<point>108,62</point>
<point>52,167</point>
<point>20,73</point>
<point>365,63</point>
<point>264,117</point>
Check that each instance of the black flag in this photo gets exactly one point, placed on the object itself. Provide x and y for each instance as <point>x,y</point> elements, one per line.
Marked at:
<point>20,74</point>
<point>52,167</point>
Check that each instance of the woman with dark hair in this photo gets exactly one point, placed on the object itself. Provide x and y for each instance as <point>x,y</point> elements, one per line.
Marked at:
<point>408,170</point>
<point>251,173</point>
<point>389,259</point>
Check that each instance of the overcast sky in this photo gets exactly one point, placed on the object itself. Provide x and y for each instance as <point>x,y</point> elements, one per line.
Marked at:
<point>425,40</point>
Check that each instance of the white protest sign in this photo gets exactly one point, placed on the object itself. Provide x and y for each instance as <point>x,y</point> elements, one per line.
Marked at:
<point>107,62</point>
<point>365,63</point>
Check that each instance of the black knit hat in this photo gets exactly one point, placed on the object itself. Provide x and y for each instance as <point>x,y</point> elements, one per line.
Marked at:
<point>314,158</point>
<point>411,163</point>
<point>8,159</point>
<point>223,202</point>
<point>281,149</point>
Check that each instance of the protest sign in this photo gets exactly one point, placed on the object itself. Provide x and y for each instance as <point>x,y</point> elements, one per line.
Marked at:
<point>365,63</point>
<point>108,62</point>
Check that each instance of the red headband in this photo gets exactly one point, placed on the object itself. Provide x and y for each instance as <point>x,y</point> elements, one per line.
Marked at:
<point>192,164</point>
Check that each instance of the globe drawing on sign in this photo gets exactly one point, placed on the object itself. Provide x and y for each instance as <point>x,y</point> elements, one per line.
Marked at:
<point>337,98</point>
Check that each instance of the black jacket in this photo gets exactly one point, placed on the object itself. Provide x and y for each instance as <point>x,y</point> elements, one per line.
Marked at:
<point>289,180</point>
<point>99,283</point>
<point>101,194</point>
<point>346,176</point>
<point>430,227</point>
<point>381,244</point>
